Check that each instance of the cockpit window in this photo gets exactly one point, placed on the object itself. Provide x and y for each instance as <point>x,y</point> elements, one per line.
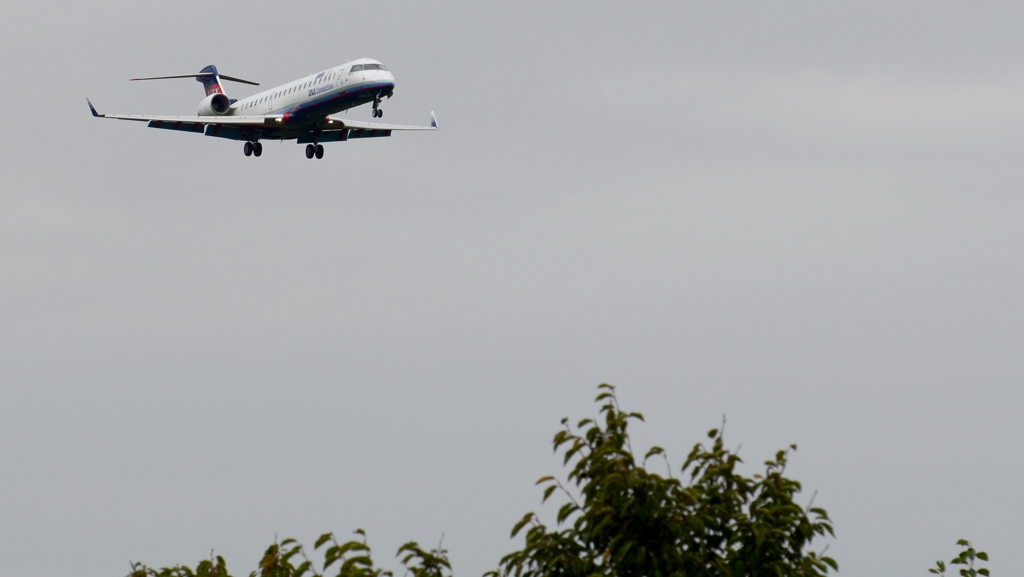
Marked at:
<point>356,68</point>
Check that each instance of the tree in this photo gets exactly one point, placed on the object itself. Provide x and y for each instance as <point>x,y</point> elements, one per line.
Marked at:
<point>352,559</point>
<point>621,519</point>
<point>966,558</point>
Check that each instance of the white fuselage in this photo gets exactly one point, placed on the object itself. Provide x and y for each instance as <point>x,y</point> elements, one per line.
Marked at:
<point>333,90</point>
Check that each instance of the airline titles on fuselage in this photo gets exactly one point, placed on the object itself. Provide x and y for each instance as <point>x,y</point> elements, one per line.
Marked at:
<point>322,89</point>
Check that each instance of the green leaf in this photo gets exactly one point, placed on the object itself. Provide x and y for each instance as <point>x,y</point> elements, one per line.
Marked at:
<point>548,491</point>
<point>518,526</point>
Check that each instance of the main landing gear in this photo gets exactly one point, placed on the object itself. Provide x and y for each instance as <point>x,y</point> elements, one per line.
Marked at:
<point>253,148</point>
<point>314,150</point>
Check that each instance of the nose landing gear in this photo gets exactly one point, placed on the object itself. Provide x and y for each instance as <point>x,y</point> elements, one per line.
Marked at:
<point>377,112</point>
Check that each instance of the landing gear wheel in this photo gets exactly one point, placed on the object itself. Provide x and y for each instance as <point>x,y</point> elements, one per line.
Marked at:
<point>319,151</point>
<point>310,150</point>
<point>257,148</point>
<point>380,113</point>
<point>247,149</point>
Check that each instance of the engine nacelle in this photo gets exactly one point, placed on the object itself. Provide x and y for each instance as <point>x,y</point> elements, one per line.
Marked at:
<point>215,104</point>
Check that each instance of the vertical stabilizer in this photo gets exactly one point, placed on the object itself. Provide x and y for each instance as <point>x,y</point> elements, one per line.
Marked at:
<point>212,82</point>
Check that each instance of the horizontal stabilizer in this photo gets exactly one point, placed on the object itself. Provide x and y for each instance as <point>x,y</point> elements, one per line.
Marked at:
<point>197,76</point>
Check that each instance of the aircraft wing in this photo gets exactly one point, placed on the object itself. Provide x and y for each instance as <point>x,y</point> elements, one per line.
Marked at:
<point>232,120</point>
<point>359,125</point>
<point>225,120</point>
<point>242,127</point>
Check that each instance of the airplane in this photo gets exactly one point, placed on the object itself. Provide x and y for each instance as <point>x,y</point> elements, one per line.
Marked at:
<point>299,110</point>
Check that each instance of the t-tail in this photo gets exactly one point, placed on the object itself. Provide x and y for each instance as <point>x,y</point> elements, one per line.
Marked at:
<point>209,77</point>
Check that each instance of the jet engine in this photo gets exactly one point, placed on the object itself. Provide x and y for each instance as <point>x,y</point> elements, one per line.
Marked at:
<point>215,104</point>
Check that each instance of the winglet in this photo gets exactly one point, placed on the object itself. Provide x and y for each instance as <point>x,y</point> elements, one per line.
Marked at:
<point>93,109</point>
<point>433,119</point>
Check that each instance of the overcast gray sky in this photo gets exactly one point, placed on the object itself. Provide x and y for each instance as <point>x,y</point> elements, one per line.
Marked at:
<point>803,215</point>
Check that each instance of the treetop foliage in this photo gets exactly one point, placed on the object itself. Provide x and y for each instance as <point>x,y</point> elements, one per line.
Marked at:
<point>620,519</point>
<point>350,559</point>
<point>967,557</point>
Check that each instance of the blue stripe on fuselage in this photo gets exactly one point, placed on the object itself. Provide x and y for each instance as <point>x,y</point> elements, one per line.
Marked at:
<point>364,93</point>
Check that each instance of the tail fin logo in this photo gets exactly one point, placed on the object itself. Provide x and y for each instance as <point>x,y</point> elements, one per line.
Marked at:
<point>212,82</point>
